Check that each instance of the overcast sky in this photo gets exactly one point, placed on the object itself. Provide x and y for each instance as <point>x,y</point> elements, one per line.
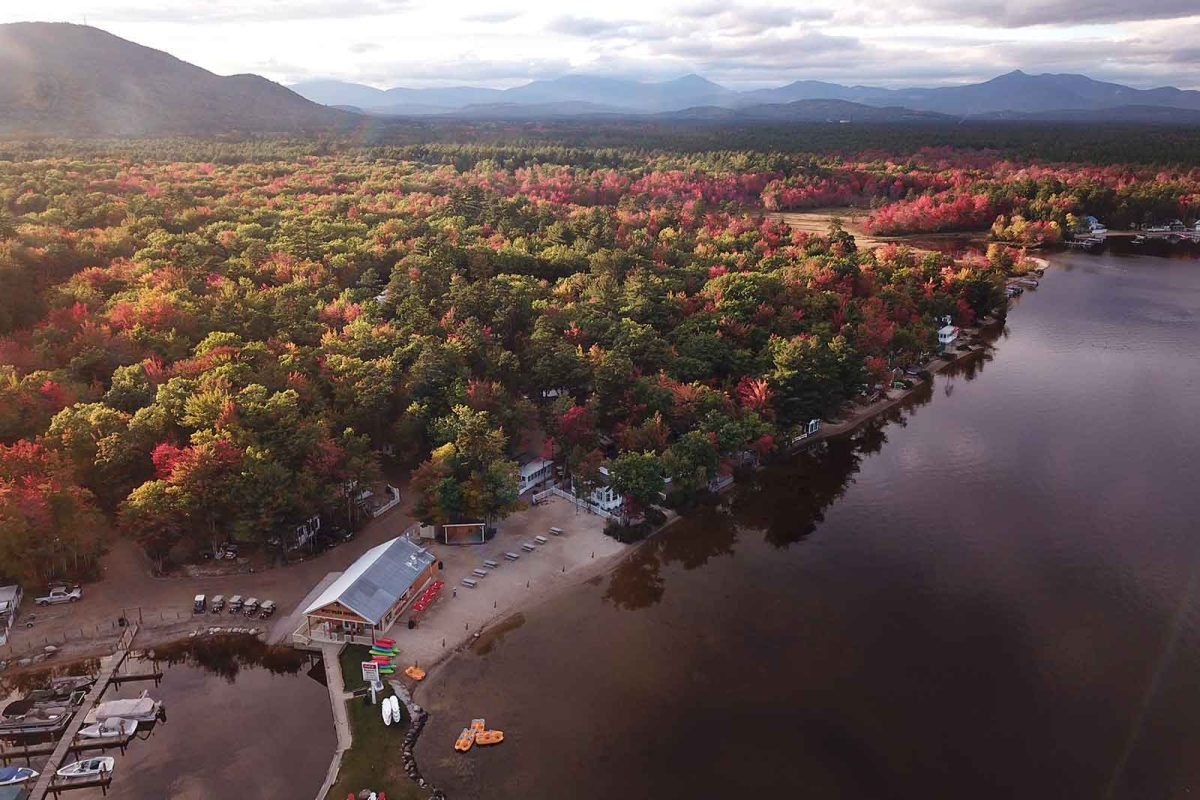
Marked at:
<point>500,43</point>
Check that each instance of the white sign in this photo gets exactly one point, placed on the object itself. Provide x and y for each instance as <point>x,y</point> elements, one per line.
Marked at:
<point>371,672</point>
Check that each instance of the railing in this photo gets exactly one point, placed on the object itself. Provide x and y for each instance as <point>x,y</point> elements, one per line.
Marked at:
<point>394,493</point>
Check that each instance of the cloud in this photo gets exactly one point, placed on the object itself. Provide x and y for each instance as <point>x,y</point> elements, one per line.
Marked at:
<point>590,26</point>
<point>1025,13</point>
<point>219,11</point>
<point>492,16</point>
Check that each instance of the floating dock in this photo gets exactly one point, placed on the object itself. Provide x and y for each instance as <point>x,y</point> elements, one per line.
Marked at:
<point>48,781</point>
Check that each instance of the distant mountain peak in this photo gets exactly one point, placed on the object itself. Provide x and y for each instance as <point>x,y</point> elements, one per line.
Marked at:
<point>75,80</point>
<point>692,79</point>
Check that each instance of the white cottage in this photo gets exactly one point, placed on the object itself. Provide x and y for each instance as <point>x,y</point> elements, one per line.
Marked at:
<point>947,335</point>
<point>534,471</point>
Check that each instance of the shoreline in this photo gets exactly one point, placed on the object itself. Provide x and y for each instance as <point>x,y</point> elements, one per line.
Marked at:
<point>845,425</point>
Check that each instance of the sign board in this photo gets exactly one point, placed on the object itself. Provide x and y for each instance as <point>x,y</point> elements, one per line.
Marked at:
<point>370,672</point>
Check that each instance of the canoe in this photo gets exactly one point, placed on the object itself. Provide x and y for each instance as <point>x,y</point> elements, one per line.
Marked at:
<point>489,737</point>
<point>464,741</point>
<point>478,724</point>
<point>11,776</point>
<point>88,768</point>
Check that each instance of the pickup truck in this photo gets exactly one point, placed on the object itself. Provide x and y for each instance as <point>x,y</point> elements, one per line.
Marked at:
<point>60,594</point>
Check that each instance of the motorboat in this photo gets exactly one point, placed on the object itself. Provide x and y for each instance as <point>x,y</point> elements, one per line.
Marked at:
<point>39,712</point>
<point>139,709</point>
<point>113,726</point>
<point>11,776</point>
<point>88,768</point>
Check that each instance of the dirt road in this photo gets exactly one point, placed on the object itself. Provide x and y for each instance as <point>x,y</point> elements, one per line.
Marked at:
<point>164,605</point>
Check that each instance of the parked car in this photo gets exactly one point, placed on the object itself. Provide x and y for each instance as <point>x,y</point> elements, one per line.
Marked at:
<point>60,594</point>
<point>340,533</point>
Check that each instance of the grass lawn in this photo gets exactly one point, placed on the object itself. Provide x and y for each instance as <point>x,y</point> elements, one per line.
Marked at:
<point>373,762</point>
<point>352,657</point>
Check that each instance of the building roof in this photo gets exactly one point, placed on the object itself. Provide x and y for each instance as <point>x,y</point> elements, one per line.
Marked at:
<point>533,466</point>
<point>373,583</point>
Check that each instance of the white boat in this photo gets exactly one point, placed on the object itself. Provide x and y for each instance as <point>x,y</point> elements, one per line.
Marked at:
<point>113,726</point>
<point>88,768</point>
<point>140,709</point>
<point>11,776</point>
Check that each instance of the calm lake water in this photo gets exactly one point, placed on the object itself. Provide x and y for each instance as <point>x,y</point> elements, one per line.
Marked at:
<point>994,595</point>
<point>234,729</point>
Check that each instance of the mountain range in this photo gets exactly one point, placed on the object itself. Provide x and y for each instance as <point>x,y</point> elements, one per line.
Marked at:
<point>1010,95</point>
<point>58,79</point>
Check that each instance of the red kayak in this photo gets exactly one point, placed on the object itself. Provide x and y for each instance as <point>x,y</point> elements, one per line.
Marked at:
<point>384,644</point>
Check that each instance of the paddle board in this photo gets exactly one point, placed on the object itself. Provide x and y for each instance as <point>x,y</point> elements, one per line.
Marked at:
<point>387,712</point>
<point>395,708</point>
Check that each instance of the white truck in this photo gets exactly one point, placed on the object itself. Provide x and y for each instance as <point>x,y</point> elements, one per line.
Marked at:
<point>60,594</point>
<point>10,601</point>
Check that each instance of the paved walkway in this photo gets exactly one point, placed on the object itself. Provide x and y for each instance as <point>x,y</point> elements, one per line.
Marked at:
<point>108,667</point>
<point>341,721</point>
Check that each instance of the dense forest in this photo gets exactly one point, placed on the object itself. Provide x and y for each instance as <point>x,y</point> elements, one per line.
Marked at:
<point>206,340</point>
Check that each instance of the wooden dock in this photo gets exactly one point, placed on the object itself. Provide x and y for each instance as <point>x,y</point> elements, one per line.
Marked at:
<point>108,668</point>
<point>58,785</point>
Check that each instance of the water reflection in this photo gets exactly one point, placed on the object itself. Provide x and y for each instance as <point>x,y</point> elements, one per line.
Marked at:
<point>227,654</point>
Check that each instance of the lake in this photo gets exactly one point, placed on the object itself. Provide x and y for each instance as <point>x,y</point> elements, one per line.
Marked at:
<point>992,595</point>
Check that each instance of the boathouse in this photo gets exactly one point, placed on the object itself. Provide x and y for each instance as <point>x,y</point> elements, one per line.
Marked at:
<point>366,599</point>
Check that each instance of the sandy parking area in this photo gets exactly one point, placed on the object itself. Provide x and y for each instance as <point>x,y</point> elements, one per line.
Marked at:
<point>462,612</point>
<point>163,605</point>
